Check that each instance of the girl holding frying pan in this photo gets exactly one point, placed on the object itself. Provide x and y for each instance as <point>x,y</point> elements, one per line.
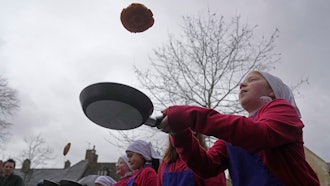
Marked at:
<point>265,148</point>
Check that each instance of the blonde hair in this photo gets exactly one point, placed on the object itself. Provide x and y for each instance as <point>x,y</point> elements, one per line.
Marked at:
<point>170,153</point>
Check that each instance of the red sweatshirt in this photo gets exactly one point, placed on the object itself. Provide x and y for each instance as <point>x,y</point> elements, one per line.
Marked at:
<point>144,177</point>
<point>180,165</point>
<point>122,181</point>
<point>274,133</point>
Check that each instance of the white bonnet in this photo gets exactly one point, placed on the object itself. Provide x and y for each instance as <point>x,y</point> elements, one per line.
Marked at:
<point>280,89</point>
<point>125,159</point>
<point>144,148</point>
<point>105,180</point>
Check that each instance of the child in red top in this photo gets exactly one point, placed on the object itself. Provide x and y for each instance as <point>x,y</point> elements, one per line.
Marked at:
<point>144,160</point>
<point>265,148</point>
<point>124,170</point>
<point>173,171</point>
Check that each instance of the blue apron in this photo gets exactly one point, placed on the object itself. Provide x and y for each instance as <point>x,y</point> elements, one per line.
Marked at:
<point>247,169</point>
<point>131,180</point>
<point>182,178</point>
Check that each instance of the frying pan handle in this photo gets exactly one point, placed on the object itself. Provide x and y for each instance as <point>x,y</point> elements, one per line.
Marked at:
<point>154,122</point>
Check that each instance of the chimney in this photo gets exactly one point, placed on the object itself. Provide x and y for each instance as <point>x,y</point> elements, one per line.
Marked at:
<point>91,155</point>
<point>67,164</point>
<point>26,166</point>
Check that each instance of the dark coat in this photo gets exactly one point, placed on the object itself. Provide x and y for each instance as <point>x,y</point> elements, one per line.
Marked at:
<point>12,180</point>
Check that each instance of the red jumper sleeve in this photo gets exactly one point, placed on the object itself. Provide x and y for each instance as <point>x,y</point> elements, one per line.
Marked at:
<point>205,163</point>
<point>275,124</point>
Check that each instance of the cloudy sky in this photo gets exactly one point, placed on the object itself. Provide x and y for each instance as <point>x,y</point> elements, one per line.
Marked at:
<point>51,49</point>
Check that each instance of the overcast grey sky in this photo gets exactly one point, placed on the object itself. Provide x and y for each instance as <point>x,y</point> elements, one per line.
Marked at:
<point>51,49</point>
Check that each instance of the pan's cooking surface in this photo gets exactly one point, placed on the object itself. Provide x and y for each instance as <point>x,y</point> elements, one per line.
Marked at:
<point>114,114</point>
<point>115,105</point>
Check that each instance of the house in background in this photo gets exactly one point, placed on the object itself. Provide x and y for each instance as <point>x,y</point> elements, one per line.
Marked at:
<point>88,166</point>
<point>320,167</point>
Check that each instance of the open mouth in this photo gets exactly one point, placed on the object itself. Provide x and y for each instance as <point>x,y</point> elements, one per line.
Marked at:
<point>242,91</point>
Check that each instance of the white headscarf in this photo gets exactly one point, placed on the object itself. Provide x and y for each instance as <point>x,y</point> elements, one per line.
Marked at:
<point>124,157</point>
<point>280,89</point>
<point>105,180</point>
<point>144,148</point>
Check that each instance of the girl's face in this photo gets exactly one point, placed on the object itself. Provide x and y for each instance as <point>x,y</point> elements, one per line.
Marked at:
<point>251,89</point>
<point>136,160</point>
<point>121,167</point>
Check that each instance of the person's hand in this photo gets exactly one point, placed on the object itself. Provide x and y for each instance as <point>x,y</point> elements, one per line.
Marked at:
<point>163,126</point>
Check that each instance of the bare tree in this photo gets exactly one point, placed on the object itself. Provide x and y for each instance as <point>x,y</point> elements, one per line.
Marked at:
<point>206,64</point>
<point>8,103</point>
<point>37,152</point>
<point>121,139</point>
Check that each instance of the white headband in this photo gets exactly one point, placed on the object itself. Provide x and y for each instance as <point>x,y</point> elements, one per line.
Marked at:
<point>125,159</point>
<point>144,148</point>
<point>105,180</point>
<point>281,90</point>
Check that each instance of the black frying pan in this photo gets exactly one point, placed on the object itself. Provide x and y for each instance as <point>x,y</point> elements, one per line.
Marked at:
<point>50,183</point>
<point>117,106</point>
<point>69,183</point>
